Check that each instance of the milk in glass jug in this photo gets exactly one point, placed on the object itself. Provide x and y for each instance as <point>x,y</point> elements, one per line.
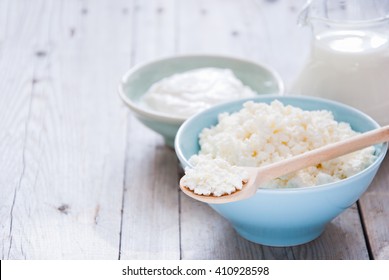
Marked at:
<point>349,60</point>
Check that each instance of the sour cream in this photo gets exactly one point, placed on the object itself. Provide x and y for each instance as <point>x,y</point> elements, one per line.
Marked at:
<point>187,93</point>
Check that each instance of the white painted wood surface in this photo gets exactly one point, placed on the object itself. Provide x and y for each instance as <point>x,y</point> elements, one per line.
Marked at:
<point>150,225</point>
<point>81,178</point>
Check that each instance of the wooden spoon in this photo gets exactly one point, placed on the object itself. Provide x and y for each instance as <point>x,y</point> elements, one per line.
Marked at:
<point>260,175</point>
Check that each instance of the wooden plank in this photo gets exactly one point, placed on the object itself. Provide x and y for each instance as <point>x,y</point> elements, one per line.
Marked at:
<point>342,239</point>
<point>71,161</point>
<point>206,235</point>
<point>66,201</point>
<point>265,31</point>
<point>3,22</point>
<point>224,243</point>
<point>221,27</point>
<point>14,112</point>
<point>287,44</point>
<point>375,213</point>
<point>150,227</point>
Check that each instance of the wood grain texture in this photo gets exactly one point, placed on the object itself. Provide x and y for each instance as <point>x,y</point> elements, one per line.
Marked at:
<point>150,226</point>
<point>222,27</point>
<point>288,44</point>
<point>66,196</point>
<point>263,31</point>
<point>21,126</point>
<point>342,239</point>
<point>375,213</point>
<point>206,235</point>
<point>81,178</point>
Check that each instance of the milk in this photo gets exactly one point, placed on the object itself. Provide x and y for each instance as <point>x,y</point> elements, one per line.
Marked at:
<point>351,67</point>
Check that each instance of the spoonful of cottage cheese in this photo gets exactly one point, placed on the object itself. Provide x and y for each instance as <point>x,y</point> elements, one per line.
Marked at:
<point>213,176</point>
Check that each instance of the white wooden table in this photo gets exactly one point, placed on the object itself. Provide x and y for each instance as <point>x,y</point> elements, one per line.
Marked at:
<point>81,178</point>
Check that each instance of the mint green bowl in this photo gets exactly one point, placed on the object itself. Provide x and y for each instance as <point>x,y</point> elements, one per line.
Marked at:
<point>138,80</point>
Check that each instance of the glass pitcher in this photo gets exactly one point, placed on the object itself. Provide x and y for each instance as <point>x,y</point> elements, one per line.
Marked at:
<point>349,60</point>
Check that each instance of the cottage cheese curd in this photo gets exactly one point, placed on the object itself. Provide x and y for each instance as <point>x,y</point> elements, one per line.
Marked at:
<point>213,176</point>
<point>261,134</point>
<point>187,93</point>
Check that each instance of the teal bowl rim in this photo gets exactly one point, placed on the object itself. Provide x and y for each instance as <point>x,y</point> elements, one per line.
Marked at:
<point>376,163</point>
<point>158,116</point>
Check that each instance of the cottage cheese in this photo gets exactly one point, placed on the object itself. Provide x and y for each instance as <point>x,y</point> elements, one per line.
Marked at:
<point>187,93</point>
<point>213,176</point>
<point>261,134</point>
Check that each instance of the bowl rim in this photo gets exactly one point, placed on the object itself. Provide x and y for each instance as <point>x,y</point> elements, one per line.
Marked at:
<point>377,161</point>
<point>159,116</point>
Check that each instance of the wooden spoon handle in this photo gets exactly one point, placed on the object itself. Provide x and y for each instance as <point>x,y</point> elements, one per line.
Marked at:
<point>327,152</point>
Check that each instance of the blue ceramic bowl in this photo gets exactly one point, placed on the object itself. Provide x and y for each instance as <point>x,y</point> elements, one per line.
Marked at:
<point>138,80</point>
<point>286,217</point>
